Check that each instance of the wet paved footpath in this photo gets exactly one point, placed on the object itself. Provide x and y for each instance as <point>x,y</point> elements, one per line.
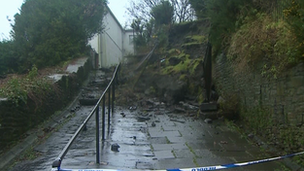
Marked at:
<point>148,140</point>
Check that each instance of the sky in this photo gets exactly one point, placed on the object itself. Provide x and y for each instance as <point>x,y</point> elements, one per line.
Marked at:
<point>8,8</point>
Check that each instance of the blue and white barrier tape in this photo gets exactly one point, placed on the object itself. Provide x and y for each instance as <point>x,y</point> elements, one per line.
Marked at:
<point>226,166</point>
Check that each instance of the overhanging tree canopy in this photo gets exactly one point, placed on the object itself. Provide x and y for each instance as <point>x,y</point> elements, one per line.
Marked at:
<point>48,32</point>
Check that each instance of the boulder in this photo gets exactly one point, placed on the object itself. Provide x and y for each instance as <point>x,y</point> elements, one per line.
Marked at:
<point>171,89</point>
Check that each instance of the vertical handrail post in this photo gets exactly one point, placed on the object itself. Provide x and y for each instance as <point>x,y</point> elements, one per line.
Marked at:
<point>97,134</point>
<point>113,94</point>
<point>109,107</point>
<point>103,118</point>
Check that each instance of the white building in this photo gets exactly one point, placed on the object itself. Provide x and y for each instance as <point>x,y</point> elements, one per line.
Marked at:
<point>113,43</point>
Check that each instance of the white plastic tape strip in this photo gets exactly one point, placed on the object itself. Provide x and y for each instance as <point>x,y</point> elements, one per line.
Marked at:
<point>225,166</point>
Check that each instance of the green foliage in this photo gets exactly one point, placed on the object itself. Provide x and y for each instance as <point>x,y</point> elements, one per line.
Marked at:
<point>258,119</point>
<point>163,13</point>
<point>46,33</point>
<point>262,39</point>
<point>7,57</point>
<point>152,30</point>
<point>15,91</point>
<point>294,14</point>
<point>144,33</point>
<point>20,89</point>
<point>253,32</point>
<point>182,66</point>
<point>200,8</point>
<point>224,18</point>
<point>230,106</point>
<point>227,16</point>
<point>195,40</point>
<point>33,73</point>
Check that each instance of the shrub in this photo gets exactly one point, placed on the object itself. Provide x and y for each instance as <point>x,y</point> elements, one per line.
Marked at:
<point>261,38</point>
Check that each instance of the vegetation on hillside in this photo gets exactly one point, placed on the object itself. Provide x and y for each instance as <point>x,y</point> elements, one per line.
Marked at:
<point>264,37</point>
<point>251,32</point>
<point>255,35</point>
<point>46,33</point>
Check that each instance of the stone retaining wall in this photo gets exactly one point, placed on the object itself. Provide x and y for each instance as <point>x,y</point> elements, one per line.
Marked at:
<point>15,121</point>
<point>283,96</point>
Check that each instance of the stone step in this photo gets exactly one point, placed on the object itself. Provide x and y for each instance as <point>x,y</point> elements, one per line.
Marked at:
<point>88,102</point>
<point>205,107</point>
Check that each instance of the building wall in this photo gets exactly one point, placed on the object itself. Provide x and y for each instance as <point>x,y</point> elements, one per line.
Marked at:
<point>113,43</point>
<point>128,42</point>
<point>94,43</point>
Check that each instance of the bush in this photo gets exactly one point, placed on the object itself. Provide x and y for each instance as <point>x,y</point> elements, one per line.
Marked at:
<point>7,57</point>
<point>261,38</point>
<point>20,89</point>
<point>294,14</point>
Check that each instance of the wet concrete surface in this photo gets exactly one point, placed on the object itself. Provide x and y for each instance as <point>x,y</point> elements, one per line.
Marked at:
<point>148,140</point>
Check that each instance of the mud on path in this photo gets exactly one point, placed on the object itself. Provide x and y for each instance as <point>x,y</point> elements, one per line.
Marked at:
<point>149,140</point>
<point>148,136</point>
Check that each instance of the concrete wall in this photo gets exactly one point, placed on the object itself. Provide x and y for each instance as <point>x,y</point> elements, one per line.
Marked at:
<point>283,96</point>
<point>16,120</point>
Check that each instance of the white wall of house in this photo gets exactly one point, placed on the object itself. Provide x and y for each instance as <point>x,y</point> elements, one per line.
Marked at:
<point>113,43</point>
<point>128,42</point>
<point>94,42</point>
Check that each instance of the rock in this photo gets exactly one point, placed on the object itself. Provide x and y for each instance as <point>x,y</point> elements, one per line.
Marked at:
<point>153,124</point>
<point>208,121</point>
<point>172,89</point>
<point>206,107</point>
<point>132,108</point>
<point>220,100</point>
<point>123,114</point>
<point>188,106</point>
<point>179,110</point>
<point>177,120</point>
<point>174,61</point>
<point>250,135</point>
<point>88,102</point>
<point>133,137</point>
<point>143,118</point>
<point>114,147</point>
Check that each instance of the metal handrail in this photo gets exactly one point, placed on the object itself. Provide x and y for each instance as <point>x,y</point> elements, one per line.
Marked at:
<point>58,160</point>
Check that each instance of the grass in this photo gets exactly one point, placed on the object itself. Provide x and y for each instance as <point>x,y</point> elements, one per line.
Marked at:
<point>191,150</point>
<point>152,148</point>
<point>172,151</point>
<point>195,162</point>
<point>29,154</point>
<point>180,134</point>
<point>167,140</point>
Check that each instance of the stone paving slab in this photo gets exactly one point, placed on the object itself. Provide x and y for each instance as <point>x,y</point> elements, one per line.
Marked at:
<point>168,144</point>
<point>174,163</point>
<point>164,133</point>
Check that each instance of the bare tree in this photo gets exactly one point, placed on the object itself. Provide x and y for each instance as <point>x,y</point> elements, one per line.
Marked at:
<point>183,10</point>
<point>141,9</point>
